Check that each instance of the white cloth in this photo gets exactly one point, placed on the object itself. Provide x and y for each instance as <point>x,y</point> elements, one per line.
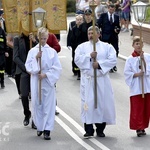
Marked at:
<point>106,57</point>
<point>112,16</point>
<point>82,5</point>
<point>44,114</point>
<point>132,67</point>
<point>99,10</point>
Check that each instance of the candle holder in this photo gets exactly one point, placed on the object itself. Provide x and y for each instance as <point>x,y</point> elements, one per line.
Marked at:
<point>38,19</point>
<point>38,16</point>
<point>93,5</point>
<point>140,11</point>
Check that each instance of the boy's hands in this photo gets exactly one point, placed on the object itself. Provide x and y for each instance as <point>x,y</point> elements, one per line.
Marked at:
<point>142,55</point>
<point>39,55</point>
<point>139,74</point>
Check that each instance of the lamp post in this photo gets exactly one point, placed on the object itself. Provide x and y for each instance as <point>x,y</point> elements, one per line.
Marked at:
<point>140,10</point>
<point>38,16</point>
<point>93,6</point>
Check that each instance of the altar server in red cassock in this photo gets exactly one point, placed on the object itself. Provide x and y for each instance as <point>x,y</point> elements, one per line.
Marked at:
<point>139,107</point>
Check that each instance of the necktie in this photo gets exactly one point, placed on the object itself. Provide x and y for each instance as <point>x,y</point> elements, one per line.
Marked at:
<point>111,20</point>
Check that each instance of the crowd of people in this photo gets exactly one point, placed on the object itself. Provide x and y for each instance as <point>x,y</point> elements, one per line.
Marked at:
<point>37,72</point>
<point>111,18</point>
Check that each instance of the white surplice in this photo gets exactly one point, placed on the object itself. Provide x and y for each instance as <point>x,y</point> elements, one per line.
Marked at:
<point>106,57</point>
<point>132,67</point>
<point>44,114</point>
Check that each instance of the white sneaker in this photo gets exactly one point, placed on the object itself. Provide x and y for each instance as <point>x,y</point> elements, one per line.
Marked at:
<point>125,30</point>
<point>122,29</point>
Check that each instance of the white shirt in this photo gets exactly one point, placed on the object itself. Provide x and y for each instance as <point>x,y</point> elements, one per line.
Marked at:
<point>82,5</point>
<point>112,16</point>
<point>99,10</point>
<point>132,67</point>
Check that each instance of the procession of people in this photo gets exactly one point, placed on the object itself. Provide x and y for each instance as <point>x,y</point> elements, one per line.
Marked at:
<point>37,69</point>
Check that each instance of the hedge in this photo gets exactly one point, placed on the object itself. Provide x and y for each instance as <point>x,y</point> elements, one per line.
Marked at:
<point>71,6</point>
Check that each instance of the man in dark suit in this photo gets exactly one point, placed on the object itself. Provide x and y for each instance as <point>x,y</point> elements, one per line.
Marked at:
<point>21,46</point>
<point>110,28</point>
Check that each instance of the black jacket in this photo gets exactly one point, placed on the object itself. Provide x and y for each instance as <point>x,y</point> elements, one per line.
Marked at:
<point>20,51</point>
<point>107,29</point>
<point>3,45</point>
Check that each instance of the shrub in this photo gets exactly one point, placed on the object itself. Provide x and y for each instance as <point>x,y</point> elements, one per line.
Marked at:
<point>71,6</point>
<point>148,16</point>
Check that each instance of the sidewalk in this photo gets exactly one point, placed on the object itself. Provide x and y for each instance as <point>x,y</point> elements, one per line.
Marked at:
<point>125,45</point>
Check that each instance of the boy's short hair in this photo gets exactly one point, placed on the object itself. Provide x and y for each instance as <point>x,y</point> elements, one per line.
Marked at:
<point>43,30</point>
<point>137,39</point>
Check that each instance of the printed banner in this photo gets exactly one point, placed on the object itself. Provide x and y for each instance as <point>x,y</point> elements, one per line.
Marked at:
<point>18,16</point>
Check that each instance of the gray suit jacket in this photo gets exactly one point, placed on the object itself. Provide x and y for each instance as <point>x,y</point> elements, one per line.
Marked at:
<point>20,53</point>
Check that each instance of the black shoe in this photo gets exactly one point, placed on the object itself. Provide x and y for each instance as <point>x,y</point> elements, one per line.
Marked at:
<point>139,133</point>
<point>39,133</point>
<point>2,85</point>
<point>26,120</point>
<point>101,134</point>
<point>115,68</point>
<point>47,135</point>
<point>143,132</point>
<point>111,71</point>
<point>88,135</point>
<point>33,125</point>
<point>78,78</point>
<point>56,112</point>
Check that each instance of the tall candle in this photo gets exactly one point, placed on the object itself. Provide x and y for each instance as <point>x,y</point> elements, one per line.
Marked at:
<point>38,23</point>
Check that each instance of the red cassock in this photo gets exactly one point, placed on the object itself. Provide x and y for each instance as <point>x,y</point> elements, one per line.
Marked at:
<point>140,112</point>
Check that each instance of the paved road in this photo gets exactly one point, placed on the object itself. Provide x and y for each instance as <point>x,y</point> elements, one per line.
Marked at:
<point>68,131</point>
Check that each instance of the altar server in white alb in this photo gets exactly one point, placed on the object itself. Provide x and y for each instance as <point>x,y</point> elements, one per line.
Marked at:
<point>44,113</point>
<point>139,106</point>
<point>105,59</point>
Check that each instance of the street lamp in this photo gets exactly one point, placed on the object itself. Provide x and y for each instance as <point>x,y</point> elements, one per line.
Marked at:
<point>140,11</point>
<point>38,16</point>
